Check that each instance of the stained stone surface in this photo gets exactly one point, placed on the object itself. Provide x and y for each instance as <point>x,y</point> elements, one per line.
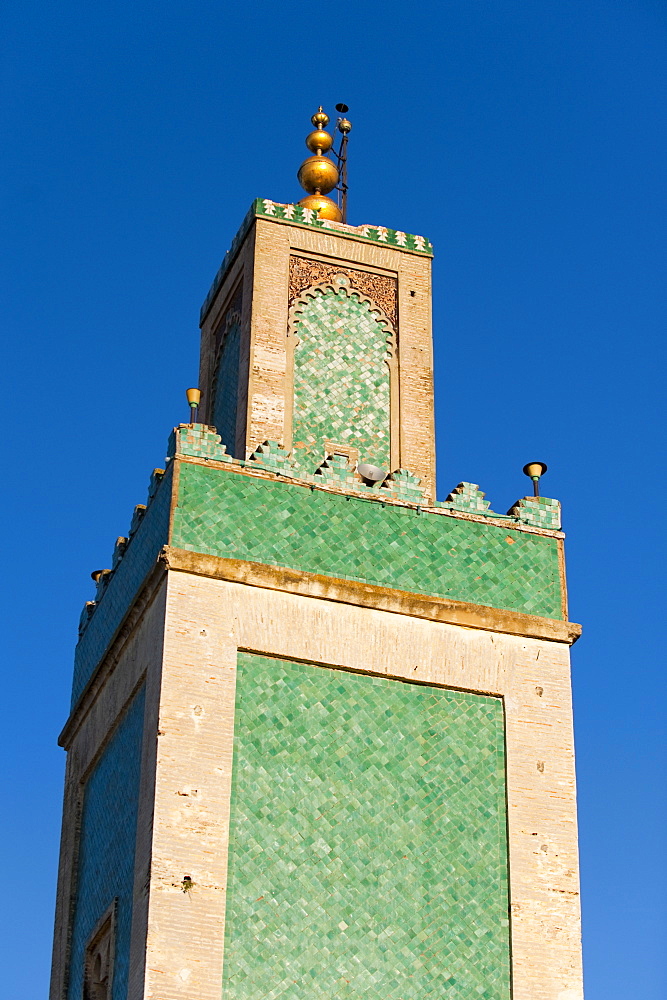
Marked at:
<point>368,839</point>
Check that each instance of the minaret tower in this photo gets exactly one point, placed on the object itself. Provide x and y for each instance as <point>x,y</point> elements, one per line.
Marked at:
<point>321,741</point>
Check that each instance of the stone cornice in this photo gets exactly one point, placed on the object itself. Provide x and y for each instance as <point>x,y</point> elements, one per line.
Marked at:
<point>401,602</point>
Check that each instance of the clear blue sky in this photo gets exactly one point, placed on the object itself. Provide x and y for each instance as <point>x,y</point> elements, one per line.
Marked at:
<point>528,141</point>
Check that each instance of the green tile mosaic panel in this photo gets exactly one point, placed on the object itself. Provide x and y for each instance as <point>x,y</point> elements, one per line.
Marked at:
<point>105,867</point>
<point>368,847</point>
<point>242,517</point>
<point>227,387</point>
<point>341,379</point>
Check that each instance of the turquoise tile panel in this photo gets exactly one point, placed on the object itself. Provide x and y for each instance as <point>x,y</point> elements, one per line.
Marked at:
<point>106,849</point>
<point>226,388</point>
<point>341,379</point>
<point>368,848</point>
<point>139,557</point>
<point>242,517</point>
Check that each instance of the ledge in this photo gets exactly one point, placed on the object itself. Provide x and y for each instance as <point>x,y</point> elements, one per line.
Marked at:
<point>369,596</point>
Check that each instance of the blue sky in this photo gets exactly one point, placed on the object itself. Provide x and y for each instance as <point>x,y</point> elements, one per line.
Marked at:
<point>528,142</point>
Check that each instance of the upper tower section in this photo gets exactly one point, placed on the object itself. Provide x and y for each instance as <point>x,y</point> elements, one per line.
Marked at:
<point>317,334</point>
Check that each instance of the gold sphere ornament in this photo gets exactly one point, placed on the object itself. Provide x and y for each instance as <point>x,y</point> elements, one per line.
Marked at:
<point>320,119</point>
<point>318,175</point>
<point>344,126</point>
<point>325,207</point>
<point>319,141</point>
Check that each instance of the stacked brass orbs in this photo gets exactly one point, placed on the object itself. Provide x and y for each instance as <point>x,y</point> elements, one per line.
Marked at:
<point>318,174</point>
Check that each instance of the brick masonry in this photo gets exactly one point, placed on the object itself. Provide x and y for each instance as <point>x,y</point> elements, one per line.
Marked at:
<point>248,511</point>
<point>133,663</point>
<point>185,805</point>
<point>208,621</point>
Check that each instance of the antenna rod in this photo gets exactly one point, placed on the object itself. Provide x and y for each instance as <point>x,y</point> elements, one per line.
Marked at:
<point>343,176</point>
<point>344,127</point>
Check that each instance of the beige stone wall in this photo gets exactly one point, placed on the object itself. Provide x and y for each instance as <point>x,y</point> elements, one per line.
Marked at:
<point>207,622</point>
<point>264,262</point>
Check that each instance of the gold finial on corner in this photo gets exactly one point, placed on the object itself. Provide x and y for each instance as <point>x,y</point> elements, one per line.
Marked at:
<point>318,175</point>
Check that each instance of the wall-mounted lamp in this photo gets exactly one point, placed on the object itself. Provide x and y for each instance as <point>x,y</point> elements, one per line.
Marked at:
<point>193,397</point>
<point>534,470</point>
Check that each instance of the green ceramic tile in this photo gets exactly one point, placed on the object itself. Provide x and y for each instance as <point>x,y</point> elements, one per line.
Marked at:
<point>368,851</point>
<point>282,524</point>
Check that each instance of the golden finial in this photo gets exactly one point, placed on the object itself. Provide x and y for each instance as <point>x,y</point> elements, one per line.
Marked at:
<point>318,174</point>
<point>320,119</point>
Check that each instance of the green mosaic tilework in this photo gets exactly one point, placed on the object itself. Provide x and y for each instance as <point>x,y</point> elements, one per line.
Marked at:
<point>242,517</point>
<point>121,587</point>
<point>540,512</point>
<point>403,485</point>
<point>468,497</point>
<point>368,847</point>
<point>274,458</point>
<point>341,380</point>
<point>105,868</point>
<point>226,388</point>
<point>197,441</point>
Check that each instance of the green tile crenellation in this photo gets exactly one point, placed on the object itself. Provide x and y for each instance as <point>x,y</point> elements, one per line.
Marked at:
<point>368,842</point>
<point>279,523</point>
<point>341,378</point>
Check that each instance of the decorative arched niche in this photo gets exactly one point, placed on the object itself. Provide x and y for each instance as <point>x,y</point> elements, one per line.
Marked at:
<point>225,384</point>
<point>341,353</point>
